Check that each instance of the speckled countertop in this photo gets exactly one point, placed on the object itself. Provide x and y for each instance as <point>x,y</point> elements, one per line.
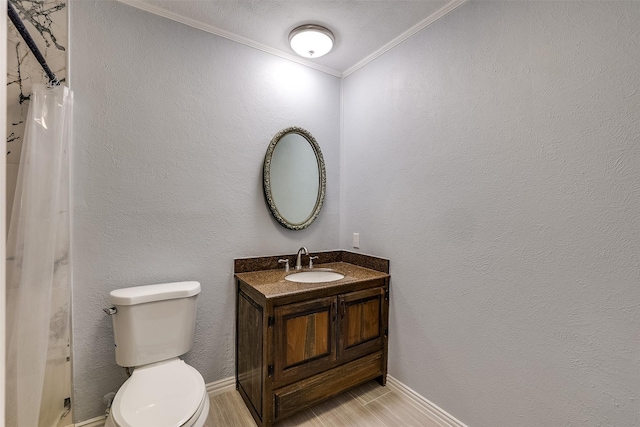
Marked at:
<point>271,283</point>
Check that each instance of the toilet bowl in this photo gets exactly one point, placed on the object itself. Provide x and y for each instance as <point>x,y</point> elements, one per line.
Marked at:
<point>165,394</point>
<point>152,326</point>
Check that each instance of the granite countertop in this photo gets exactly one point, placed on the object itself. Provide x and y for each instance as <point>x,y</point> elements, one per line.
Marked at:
<point>271,283</point>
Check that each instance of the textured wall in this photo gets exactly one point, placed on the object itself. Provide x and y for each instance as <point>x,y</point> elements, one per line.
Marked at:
<point>495,159</point>
<point>171,128</point>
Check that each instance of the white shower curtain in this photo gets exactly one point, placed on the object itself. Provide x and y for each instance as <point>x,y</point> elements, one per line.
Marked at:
<point>38,268</point>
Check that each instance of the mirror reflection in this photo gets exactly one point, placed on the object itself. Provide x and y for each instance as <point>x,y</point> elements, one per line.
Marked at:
<point>294,178</point>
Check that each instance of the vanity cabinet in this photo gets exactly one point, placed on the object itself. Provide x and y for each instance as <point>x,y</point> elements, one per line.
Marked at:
<point>297,349</point>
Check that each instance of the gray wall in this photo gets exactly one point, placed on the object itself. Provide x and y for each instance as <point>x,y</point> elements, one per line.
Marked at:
<point>171,128</point>
<point>495,159</point>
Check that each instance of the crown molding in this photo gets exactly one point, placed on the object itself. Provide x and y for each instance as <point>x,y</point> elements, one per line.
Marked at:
<point>407,34</point>
<point>138,4</point>
<point>453,4</point>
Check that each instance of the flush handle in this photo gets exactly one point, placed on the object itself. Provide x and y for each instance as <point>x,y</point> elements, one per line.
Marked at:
<point>110,311</point>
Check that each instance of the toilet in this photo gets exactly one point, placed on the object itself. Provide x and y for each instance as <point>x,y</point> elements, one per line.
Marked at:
<point>152,326</point>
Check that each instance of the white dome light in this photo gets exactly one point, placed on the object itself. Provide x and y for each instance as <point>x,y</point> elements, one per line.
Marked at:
<point>311,41</point>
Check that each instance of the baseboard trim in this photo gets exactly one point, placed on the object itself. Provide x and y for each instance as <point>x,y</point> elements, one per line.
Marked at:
<point>438,414</point>
<point>224,385</point>
<point>93,422</point>
<point>217,387</point>
<point>221,386</point>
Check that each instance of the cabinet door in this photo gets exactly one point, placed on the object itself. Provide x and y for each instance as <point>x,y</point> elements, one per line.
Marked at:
<point>362,322</point>
<point>305,339</point>
<point>249,367</point>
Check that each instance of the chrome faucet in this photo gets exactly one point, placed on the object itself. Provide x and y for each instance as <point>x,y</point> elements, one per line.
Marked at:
<point>299,256</point>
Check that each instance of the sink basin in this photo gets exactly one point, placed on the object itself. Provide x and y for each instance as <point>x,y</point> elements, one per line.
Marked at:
<point>315,276</point>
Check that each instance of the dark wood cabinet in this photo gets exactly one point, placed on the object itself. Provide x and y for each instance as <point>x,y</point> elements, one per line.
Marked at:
<point>305,338</point>
<point>296,350</point>
<point>362,322</point>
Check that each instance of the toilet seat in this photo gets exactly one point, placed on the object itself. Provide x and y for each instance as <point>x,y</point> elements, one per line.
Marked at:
<point>200,417</point>
<point>165,394</point>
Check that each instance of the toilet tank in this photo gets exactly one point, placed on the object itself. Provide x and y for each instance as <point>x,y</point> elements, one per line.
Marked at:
<point>153,323</point>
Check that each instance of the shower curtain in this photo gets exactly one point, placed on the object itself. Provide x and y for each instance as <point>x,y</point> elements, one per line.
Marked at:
<point>38,267</point>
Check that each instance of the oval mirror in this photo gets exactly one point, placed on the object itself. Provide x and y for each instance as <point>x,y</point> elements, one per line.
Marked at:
<point>294,178</point>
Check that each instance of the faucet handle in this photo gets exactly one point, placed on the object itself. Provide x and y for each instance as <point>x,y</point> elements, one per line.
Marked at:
<point>286,264</point>
<point>311,258</point>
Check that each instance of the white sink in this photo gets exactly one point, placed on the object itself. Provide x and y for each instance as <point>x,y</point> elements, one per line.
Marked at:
<point>314,276</point>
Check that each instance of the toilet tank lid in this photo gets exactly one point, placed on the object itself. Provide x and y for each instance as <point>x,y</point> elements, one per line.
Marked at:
<point>150,293</point>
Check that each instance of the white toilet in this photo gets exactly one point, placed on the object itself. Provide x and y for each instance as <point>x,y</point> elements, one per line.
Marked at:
<point>152,326</point>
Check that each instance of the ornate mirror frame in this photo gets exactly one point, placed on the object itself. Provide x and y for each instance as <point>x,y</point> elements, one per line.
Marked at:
<point>267,178</point>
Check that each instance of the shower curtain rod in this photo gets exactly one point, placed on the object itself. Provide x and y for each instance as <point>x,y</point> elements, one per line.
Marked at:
<point>13,15</point>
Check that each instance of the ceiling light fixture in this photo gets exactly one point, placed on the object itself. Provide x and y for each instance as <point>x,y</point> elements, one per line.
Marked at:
<point>311,41</point>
